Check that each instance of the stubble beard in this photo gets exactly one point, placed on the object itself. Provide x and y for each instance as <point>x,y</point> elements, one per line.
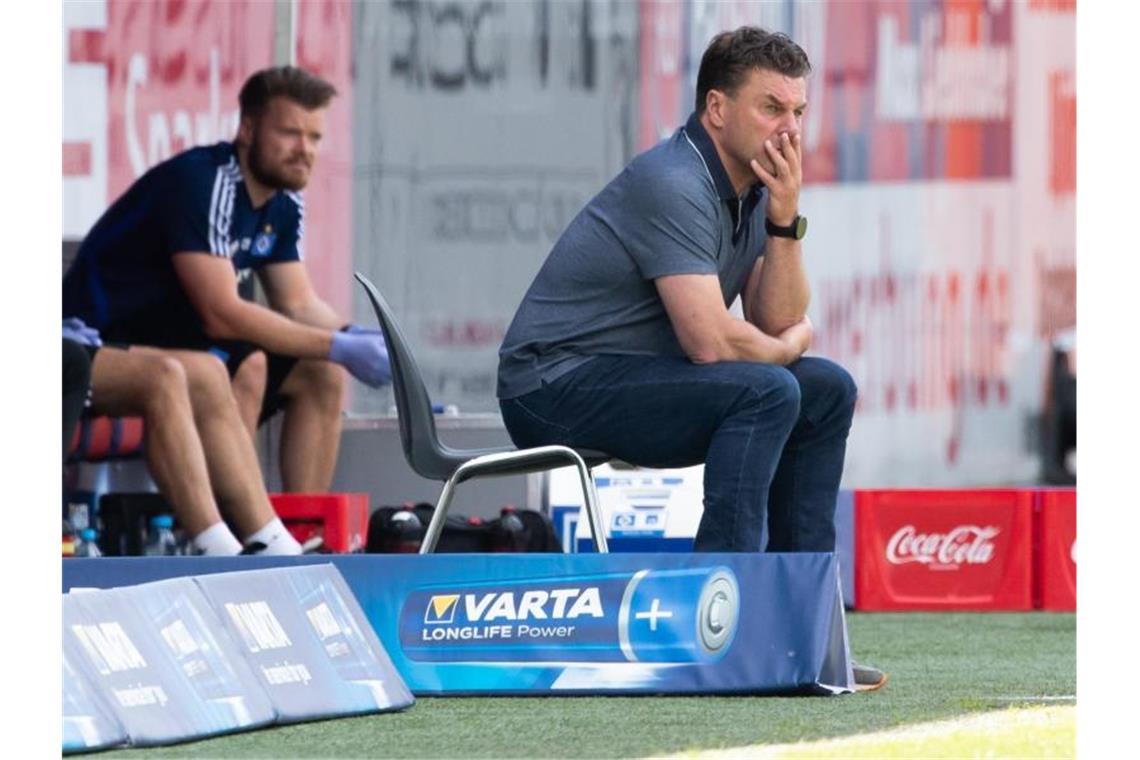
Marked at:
<point>268,175</point>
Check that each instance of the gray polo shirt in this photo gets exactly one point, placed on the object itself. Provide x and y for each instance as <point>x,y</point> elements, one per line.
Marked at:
<point>671,211</point>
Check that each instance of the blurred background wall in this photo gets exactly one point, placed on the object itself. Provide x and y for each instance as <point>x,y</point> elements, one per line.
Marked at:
<point>940,171</point>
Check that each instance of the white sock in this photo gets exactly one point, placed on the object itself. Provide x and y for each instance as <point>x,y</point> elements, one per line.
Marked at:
<point>276,537</point>
<point>217,540</point>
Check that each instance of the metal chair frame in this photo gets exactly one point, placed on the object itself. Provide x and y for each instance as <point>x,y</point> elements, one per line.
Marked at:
<point>432,459</point>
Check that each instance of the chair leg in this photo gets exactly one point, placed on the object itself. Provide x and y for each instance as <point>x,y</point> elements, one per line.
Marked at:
<point>439,517</point>
<point>593,511</point>
<point>543,453</point>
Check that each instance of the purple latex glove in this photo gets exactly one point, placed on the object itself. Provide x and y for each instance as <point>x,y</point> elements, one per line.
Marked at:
<point>75,329</point>
<point>354,329</point>
<point>364,355</point>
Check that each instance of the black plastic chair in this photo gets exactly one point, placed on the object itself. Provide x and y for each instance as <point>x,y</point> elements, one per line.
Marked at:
<point>430,458</point>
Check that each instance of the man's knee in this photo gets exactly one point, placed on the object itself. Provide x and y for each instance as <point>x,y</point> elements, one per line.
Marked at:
<point>836,383</point>
<point>250,378</point>
<point>163,371</point>
<point>164,380</point>
<point>321,381</point>
<point>213,371</point>
<point>849,390</point>
<point>207,378</point>
<point>829,391</point>
<point>774,390</point>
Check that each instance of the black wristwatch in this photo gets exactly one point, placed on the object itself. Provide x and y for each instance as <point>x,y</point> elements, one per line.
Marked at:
<point>796,230</point>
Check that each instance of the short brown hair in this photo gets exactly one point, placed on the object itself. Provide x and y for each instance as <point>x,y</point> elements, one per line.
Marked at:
<point>305,89</point>
<point>731,55</point>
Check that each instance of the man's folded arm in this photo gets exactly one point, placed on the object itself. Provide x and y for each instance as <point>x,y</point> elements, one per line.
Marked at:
<point>776,294</point>
<point>290,292</point>
<point>708,333</point>
<point>211,285</point>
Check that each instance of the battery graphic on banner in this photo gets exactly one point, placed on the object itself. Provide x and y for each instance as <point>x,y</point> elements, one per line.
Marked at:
<point>649,616</point>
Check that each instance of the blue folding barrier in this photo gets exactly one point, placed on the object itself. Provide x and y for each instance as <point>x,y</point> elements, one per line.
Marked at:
<point>307,640</point>
<point>88,722</point>
<point>181,658</point>
<point>158,656</point>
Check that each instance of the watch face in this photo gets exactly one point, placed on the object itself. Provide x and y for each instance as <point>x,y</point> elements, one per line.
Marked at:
<point>801,227</point>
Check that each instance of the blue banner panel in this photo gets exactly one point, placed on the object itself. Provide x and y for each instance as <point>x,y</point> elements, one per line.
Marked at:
<point>161,660</point>
<point>555,619</point>
<point>586,624</point>
<point>638,623</point>
<point>309,643</point>
<point>88,722</point>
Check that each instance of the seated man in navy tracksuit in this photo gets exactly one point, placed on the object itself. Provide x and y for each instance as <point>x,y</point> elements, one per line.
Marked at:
<point>168,264</point>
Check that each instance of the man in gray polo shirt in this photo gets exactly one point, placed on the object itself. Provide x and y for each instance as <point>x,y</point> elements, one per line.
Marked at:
<point>624,342</point>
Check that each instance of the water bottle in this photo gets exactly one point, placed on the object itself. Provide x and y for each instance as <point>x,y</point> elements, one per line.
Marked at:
<point>185,544</point>
<point>510,532</point>
<point>408,530</point>
<point>160,540</point>
<point>79,515</point>
<point>87,545</point>
<point>68,539</point>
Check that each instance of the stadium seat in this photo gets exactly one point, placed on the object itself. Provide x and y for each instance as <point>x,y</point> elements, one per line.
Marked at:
<point>431,459</point>
<point>97,439</point>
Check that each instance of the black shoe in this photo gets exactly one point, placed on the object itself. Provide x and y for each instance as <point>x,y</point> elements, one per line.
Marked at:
<point>867,678</point>
<point>253,547</point>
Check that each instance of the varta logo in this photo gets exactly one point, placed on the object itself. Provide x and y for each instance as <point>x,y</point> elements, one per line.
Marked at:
<point>441,609</point>
<point>562,603</point>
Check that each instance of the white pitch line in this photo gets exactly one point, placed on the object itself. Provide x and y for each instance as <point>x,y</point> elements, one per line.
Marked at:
<point>1050,698</point>
<point>976,724</point>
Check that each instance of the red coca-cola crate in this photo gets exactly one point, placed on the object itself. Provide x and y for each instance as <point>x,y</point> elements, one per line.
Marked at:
<point>1055,584</point>
<point>944,550</point>
<point>339,519</point>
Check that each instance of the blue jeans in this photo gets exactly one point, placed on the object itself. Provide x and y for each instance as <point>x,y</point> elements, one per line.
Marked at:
<point>772,438</point>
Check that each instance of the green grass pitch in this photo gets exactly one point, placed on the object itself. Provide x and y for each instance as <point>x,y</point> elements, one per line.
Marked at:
<point>941,665</point>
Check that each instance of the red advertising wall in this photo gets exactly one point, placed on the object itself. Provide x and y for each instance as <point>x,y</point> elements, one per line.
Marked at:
<point>943,550</point>
<point>173,74</point>
<point>914,91</point>
<point>899,90</point>
<point>1055,582</point>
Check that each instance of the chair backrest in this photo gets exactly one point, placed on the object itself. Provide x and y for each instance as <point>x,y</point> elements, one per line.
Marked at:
<point>418,435</point>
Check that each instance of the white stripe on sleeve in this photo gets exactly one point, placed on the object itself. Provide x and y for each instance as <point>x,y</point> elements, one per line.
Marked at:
<point>221,209</point>
<point>300,201</point>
